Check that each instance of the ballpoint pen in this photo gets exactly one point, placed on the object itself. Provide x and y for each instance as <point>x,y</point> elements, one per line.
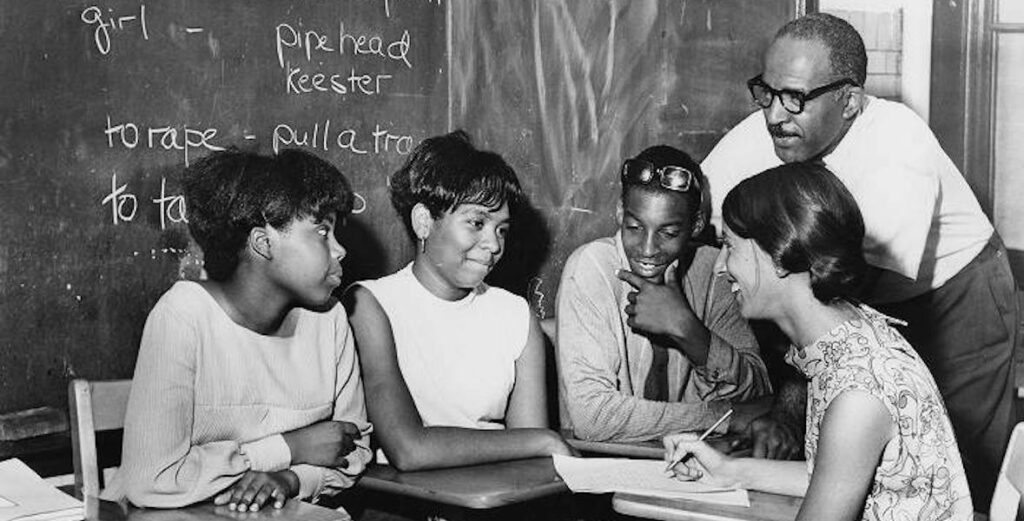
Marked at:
<point>711,429</point>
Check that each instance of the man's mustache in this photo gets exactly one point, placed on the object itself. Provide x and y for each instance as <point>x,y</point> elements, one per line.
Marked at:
<point>775,129</point>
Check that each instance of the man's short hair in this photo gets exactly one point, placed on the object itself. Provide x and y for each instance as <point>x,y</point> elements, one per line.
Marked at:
<point>846,47</point>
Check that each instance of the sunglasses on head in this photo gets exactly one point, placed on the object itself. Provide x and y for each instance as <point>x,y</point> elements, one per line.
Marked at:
<point>675,178</point>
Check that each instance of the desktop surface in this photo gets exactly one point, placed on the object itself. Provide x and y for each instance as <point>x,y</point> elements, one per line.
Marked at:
<point>486,486</point>
<point>763,507</point>
<point>292,511</point>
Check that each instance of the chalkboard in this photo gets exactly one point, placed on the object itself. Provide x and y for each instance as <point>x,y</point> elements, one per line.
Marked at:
<point>568,90</point>
<point>104,102</point>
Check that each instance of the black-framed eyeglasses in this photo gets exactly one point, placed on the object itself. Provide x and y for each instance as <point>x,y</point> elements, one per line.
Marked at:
<point>675,178</point>
<point>792,100</point>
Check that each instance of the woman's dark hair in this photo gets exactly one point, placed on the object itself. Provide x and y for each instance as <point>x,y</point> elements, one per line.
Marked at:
<point>230,192</point>
<point>661,156</point>
<point>446,171</point>
<point>803,216</point>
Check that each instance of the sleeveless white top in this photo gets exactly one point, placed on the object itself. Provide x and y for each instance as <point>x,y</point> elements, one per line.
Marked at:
<point>458,358</point>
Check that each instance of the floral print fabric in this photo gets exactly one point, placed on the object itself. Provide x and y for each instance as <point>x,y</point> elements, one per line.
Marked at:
<point>921,476</point>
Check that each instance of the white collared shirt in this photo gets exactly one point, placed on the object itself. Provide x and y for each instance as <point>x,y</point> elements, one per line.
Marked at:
<point>923,222</point>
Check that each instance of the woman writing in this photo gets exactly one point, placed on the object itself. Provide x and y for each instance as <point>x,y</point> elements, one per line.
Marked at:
<point>453,368</point>
<point>879,443</point>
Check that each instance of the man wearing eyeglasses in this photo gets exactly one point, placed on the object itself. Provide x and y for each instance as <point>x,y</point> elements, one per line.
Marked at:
<point>940,266</point>
<point>650,342</point>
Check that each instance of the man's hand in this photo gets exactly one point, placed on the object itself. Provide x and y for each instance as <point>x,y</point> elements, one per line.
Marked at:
<point>744,413</point>
<point>773,439</point>
<point>324,444</point>
<point>256,489</point>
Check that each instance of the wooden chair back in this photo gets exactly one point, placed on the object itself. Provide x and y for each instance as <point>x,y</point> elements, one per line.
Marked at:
<point>95,406</point>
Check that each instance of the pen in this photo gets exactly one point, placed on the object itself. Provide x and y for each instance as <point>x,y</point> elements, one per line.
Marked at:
<point>711,429</point>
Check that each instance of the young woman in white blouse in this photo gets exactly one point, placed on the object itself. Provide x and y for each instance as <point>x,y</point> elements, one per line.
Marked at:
<point>454,369</point>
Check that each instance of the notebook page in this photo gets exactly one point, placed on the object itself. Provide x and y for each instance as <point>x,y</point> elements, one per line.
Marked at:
<point>643,477</point>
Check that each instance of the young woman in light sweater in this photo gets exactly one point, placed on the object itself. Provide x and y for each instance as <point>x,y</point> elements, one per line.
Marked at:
<point>247,387</point>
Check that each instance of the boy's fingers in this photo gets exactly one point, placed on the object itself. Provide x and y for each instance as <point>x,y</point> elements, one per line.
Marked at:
<point>632,279</point>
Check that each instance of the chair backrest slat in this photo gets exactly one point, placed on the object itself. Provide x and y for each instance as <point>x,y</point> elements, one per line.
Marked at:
<point>95,406</point>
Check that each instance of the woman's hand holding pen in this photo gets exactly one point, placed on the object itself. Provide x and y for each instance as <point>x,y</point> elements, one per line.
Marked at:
<point>698,461</point>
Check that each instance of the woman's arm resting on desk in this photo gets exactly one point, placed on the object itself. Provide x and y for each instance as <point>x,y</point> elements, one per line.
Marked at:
<point>408,444</point>
<point>778,477</point>
<point>853,435</point>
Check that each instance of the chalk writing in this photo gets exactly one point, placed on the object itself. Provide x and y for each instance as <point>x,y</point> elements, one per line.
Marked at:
<point>93,15</point>
<point>298,82</point>
<point>359,205</point>
<point>122,205</point>
<point>185,139</point>
<point>315,46</point>
<point>534,289</point>
<point>312,42</point>
<point>320,137</point>
<point>172,207</point>
<point>387,6</point>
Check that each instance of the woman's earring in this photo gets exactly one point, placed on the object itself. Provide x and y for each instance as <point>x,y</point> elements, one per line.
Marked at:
<point>423,245</point>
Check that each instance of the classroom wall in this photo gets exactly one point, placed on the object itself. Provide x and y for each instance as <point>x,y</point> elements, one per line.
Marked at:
<point>568,90</point>
<point>106,101</point>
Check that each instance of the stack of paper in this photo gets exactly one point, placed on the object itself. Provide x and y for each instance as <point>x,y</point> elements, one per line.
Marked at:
<point>24,496</point>
<point>644,477</point>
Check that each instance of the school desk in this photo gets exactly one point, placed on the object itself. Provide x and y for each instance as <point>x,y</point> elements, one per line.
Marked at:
<point>642,449</point>
<point>478,487</point>
<point>763,507</point>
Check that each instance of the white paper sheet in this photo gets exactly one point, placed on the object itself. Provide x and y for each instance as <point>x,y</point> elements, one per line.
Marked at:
<point>24,496</point>
<point>643,477</point>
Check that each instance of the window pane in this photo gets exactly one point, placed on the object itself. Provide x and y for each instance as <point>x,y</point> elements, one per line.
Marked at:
<point>1009,134</point>
<point>1011,11</point>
